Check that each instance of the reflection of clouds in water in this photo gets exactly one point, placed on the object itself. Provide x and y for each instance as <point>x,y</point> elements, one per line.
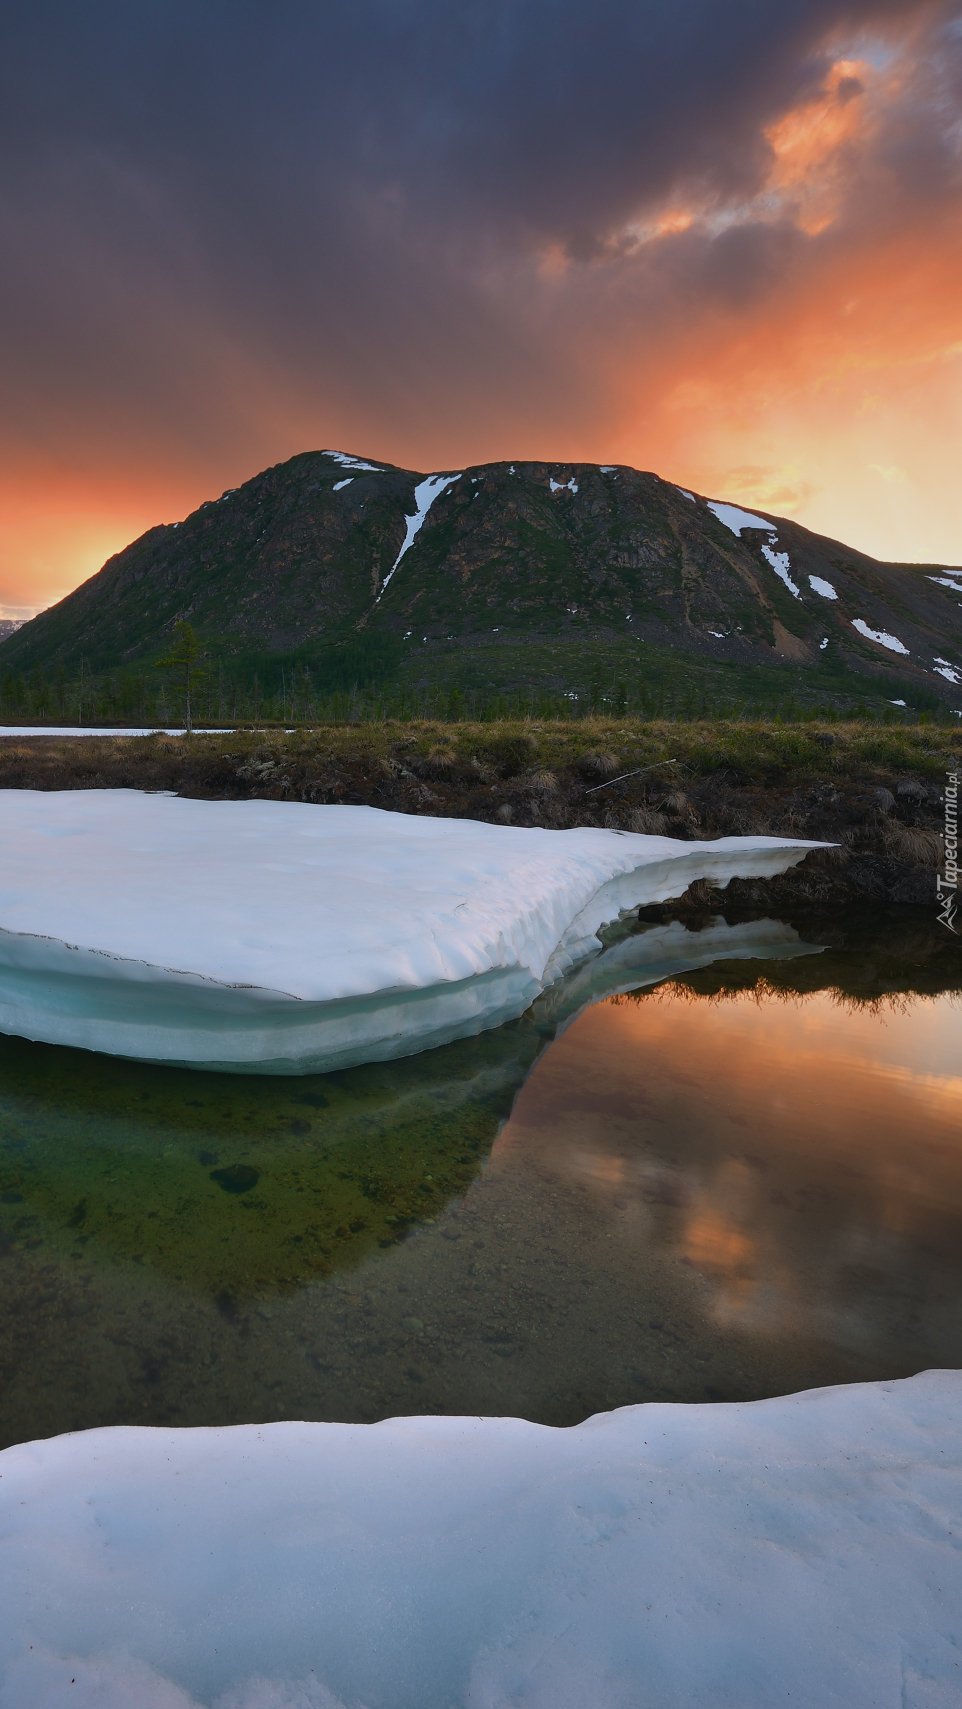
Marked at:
<point>716,1243</point>
<point>601,1168</point>
<point>713,1242</point>
<point>810,1182</point>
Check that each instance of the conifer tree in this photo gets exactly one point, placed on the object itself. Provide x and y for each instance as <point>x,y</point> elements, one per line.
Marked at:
<point>185,658</point>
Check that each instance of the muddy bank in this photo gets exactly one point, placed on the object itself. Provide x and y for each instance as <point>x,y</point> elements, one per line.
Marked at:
<point>874,793</point>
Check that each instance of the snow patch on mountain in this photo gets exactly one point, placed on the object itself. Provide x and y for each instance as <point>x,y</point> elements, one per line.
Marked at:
<point>823,587</point>
<point>737,519</point>
<point>425,494</point>
<point>352,462</point>
<point>780,564</point>
<point>892,642</point>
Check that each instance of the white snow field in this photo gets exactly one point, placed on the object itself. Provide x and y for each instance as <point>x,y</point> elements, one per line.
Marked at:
<point>801,1551</point>
<point>287,938</point>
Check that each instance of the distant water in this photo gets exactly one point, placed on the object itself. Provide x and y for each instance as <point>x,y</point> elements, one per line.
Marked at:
<point>745,1181</point>
<point>106,730</point>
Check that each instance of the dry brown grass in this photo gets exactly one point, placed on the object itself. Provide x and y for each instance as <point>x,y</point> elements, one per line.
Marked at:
<point>648,823</point>
<point>917,846</point>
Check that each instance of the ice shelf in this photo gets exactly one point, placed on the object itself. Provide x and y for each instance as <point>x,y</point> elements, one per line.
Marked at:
<point>802,1550</point>
<point>286,938</point>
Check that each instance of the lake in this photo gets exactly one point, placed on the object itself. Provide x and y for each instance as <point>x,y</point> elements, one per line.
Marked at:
<point>738,1182</point>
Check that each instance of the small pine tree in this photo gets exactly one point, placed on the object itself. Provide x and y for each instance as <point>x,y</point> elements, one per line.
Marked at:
<point>185,658</point>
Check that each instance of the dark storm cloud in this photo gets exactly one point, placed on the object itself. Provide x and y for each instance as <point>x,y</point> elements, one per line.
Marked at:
<point>562,115</point>
<point>194,194</point>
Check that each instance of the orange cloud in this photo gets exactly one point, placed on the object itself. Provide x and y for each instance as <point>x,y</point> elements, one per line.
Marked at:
<point>836,401</point>
<point>813,146</point>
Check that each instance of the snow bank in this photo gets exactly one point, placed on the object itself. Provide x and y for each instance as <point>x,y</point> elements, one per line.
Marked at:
<point>287,938</point>
<point>737,519</point>
<point>803,1550</point>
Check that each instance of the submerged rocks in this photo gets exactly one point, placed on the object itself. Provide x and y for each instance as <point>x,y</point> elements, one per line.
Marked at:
<point>236,1178</point>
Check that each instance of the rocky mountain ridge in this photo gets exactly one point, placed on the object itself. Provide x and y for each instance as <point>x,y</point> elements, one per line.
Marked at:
<point>329,550</point>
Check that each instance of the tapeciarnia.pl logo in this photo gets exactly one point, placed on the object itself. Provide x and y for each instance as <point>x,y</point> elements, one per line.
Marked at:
<point>947,883</point>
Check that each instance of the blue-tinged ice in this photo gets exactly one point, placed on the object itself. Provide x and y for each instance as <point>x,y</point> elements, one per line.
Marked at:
<point>284,938</point>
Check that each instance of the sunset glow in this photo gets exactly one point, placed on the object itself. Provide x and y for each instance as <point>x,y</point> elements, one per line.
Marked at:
<point>736,264</point>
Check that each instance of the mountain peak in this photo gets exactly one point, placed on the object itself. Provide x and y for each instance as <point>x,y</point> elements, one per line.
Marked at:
<point>557,556</point>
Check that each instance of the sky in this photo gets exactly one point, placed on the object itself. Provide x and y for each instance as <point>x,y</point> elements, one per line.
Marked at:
<point>721,241</point>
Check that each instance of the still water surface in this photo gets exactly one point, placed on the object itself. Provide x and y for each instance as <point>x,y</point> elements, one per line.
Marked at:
<point>741,1182</point>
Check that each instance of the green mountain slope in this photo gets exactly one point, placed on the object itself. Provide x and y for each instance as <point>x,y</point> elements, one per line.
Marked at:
<point>519,574</point>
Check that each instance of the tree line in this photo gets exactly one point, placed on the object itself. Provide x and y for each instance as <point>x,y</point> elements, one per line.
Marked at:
<point>188,689</point>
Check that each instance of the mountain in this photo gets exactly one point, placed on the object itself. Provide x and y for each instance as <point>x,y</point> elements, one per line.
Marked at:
<point>505,575</point>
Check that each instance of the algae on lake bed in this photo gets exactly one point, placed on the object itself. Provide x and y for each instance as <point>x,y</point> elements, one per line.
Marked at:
<point>235,1185</point>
